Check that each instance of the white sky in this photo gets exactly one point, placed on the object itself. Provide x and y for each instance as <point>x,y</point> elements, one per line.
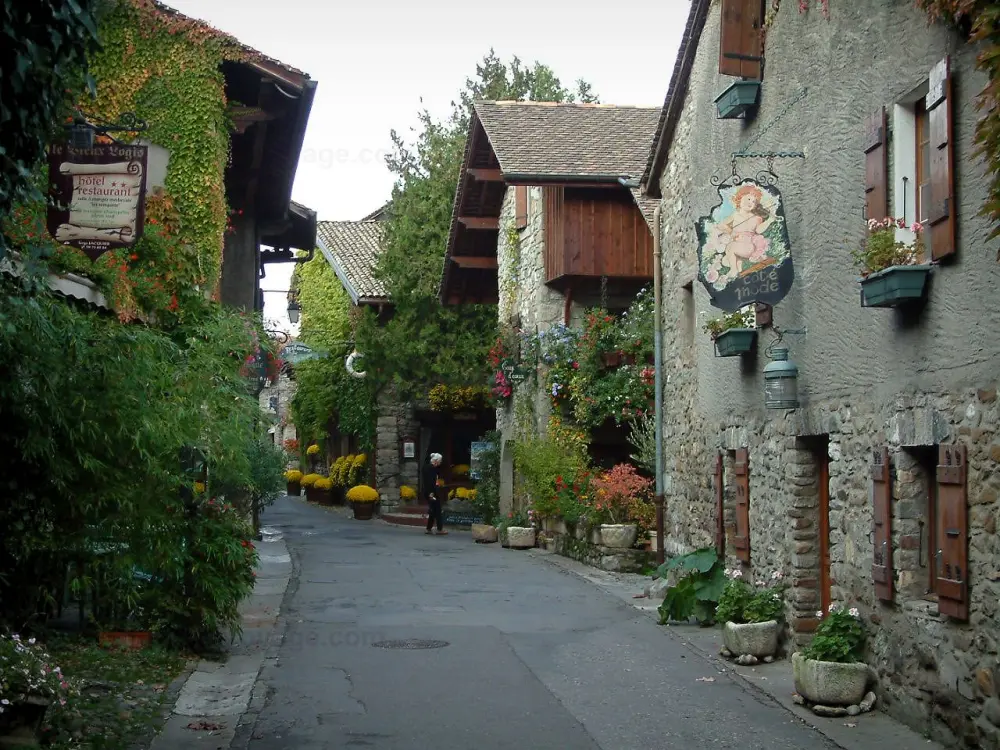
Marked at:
<point>377,62</point>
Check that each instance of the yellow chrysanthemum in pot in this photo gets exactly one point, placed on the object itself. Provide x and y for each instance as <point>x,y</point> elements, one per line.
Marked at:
<point>293,475</point>
<point>407,493</point>
<point>362,494</point>
<point>323,484</point>
<point>312,450</point>
<point>309,480</point>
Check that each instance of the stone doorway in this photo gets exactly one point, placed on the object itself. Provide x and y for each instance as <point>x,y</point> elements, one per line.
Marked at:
<point>809,512</point>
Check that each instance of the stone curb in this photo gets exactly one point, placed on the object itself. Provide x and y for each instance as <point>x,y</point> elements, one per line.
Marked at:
<point>247,722</point>
<point>170,696</point>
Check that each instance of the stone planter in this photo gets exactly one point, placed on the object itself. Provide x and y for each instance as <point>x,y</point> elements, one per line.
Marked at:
<point>828,683</point>
<point>484,533</point>
<point>619,535</point>
<point>364,511</point>
<point>758,639</point>
<point>580,532</point>
<point>595,537</point>
<point>21,722</point>
<point>520,537</point>
<point>894,286</point>
<point>737,100</point>
<point>294,489</point>
<point>735,341</point>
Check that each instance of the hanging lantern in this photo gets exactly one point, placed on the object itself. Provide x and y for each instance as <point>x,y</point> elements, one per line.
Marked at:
<point>781,381</point>
<point>294,308</point>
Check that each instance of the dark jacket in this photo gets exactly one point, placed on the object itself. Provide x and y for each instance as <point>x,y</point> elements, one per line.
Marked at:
<point>431,474</point>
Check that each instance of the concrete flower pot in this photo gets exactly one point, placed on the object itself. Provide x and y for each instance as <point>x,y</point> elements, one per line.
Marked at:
<point>828,683</point>
<point>619,535</point>
<point>756,638</point>
<point>482,532</point>
<point>520,537</point>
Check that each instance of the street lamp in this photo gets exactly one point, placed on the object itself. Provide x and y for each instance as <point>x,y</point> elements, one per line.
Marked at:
<point>294,308</point>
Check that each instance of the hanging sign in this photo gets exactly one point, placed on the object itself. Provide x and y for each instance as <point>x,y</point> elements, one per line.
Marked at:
<point>97,196</point>
<point>744,255</point>
<point>297,352</point>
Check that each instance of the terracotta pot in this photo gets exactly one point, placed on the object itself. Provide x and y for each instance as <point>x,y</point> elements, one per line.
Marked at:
<point>364,511</point>
<point>294,489</point>
<point>127,639</point>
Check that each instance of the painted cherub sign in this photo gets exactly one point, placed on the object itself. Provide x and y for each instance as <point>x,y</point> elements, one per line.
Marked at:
<point>743,249</point>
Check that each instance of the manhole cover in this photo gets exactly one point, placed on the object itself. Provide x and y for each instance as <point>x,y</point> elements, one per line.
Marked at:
<point>410,643</point>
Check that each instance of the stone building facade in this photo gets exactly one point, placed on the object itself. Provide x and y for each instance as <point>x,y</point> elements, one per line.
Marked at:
<point>897,427</point>
<point>276,402</point>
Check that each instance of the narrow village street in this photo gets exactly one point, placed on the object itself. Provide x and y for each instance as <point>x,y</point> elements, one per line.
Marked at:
<point>535,656</point>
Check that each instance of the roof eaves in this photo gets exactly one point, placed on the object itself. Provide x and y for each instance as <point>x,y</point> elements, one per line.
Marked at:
<point>456,206</point>
<point>338,269</point>
<point>675,96</point>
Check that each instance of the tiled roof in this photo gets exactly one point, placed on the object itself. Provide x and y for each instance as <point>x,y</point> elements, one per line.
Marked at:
<point>579,140</point>
<point>352,248</point>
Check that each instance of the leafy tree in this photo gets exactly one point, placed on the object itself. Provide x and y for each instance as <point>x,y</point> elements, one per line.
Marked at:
<point>44,58</point>
<point>425,343</point>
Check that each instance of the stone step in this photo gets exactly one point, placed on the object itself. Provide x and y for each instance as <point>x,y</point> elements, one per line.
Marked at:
<point>405,518</point>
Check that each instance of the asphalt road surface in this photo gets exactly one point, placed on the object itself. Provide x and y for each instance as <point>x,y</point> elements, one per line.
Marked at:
<point>526,656</point>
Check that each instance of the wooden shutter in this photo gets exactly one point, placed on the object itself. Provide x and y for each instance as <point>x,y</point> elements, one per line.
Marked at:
<point>941,208</point>
<point>876,166</point>
<point>952,532</point>
<point>740,46</point>
<point>742,471</point>
<point>521,206</point>
<point>882,572</point>
<point>720,509</point>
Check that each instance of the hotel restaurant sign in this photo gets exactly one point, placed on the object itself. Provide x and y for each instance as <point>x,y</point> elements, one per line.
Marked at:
<point>97,196</point>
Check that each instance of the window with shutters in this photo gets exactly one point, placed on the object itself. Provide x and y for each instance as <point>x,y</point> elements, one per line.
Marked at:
<point>741,43</point>
<point>951,556</point>
<point>882,568</point>
<point>741,486</point>
<point>922,179</point>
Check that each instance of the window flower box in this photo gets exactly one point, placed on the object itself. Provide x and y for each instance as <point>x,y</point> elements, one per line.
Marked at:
<point>895,285</point>
<point>738,100</point>
<point>735,341</point>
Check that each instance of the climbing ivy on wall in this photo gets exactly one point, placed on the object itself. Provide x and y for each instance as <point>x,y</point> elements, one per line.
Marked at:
<point>325,391</point>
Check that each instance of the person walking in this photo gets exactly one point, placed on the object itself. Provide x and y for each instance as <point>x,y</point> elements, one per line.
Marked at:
<point>431,476</point>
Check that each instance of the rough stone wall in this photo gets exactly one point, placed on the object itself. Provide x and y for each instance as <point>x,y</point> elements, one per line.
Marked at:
<point>868,378</point>
<point>395,420</point>
<point>284,389</point>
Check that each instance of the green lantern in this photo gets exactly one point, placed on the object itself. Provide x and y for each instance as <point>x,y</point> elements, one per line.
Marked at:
<point>781,381</point>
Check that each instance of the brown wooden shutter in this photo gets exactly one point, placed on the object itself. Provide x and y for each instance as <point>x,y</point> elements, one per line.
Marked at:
<point>742,471</point>
<point>740,46</point>
<point>882,572</point>
<point>876,166</point>
<point>720,509</point>
<point>941,208</point>
<point>952,532</point>
<point>521,206</point>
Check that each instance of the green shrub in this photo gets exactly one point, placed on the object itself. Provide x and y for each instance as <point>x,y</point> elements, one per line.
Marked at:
<point>697,594</point>
<point>840,637</point>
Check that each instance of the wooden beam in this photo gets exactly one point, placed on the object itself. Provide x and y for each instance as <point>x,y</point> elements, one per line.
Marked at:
<point>480,222</point>
<point>475,263</point>
<point>485,175</point>
<point>259,138</point>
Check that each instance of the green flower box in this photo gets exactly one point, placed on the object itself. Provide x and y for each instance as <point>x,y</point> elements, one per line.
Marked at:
<point>735,341</point>
<point>737,100</point>
<point>894,286</point>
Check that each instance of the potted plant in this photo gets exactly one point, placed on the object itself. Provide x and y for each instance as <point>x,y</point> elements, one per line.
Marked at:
<point>293,478</point>
<point>363,499</point>
<point>308,481</point>
<point>407,494</point>
<point>751,614</point>
<point>618,495</point>
<point>321,491</point>
<point>30,684</point>
<point>893,272</point>
<point>734,334</point>
<point>831,671</point>
<point>738,100</point>
<point>312,452</point>
<point>517,531</point>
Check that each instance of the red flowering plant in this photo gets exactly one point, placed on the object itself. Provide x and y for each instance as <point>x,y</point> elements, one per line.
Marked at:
<point>501,387</point>
<point>622,495</point>
<point>292,445</point>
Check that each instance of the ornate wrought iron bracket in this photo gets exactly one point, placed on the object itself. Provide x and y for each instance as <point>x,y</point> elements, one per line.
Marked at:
<point>84,127</point>
<point>779,334</point>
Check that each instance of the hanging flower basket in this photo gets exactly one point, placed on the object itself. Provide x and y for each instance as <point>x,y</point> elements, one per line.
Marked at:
<point>895,286</point>
<point>735,341</point>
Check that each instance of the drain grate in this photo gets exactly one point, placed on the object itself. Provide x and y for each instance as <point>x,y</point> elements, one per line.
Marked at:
<point>410,643</point>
